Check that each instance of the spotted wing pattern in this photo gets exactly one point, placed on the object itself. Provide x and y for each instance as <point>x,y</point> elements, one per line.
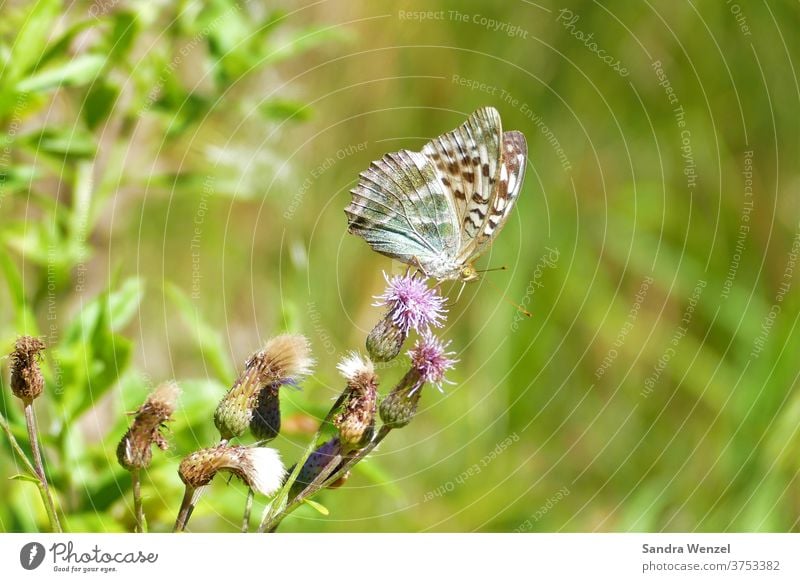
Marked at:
<point>400,208</point>
<point>504,196</point>
<point>468,162</point>
<point>440,208</point>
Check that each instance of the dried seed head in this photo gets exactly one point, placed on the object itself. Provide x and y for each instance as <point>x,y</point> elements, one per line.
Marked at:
<point>284,359</point>
<point>356,419</point>
<point>260,468</point>
<point>314,465</point>
<point>27,382</point>
<point>134,450</point>
<point>399,407</point>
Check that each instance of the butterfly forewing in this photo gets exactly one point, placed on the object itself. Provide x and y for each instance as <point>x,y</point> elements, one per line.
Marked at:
<point>401,209</point>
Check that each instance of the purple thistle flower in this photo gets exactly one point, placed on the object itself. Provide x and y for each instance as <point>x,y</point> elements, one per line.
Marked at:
<point>412,305</point>
<point>430,360</point>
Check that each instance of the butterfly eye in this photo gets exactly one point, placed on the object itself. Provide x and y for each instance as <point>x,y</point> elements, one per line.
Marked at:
<point>469,273</point>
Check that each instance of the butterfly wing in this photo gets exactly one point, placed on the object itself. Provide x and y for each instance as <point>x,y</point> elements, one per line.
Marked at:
<point>504,196</point>
<point>468,162</point>
<point>400,208</point>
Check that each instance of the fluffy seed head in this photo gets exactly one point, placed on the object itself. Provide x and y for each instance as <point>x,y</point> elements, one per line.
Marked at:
<point>412,305</point>
<point>353,366</point>
<point>284,359</point>
<point>134,450</point>
<point>260,468</point>
<point>27,382</point>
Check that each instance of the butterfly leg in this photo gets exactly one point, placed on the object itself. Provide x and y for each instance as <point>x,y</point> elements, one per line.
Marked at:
<point>417,265</point>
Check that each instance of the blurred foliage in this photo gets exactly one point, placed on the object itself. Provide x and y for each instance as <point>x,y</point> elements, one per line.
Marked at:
<point>173,179</point>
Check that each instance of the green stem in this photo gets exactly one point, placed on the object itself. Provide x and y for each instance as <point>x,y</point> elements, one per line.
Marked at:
<point>47,497</point>
<point>280,498</point>
<point>325,479</point>
<point>248,508</point>
<point>138,508</point>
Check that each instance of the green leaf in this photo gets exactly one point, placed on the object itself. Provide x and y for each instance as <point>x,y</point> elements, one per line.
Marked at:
<point>17,177</point>
<point>24,477</point>
<point>13,280</point>
<point>32,37</point>
<point>318,506</point>
<point>124,303</point>
<point>122,36</point>
<point>79,71</point>
<point>62,44</point>
<point>92,357</point>
<point>99,102</point>
<point>71,142</point>
<point>205,336</point>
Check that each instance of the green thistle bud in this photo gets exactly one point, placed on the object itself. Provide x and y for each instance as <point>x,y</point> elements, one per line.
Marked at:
<point>283,359</point>
<point>27,382</point>
<point>386,340</point>
<point>314,465</point>
<point>399,407</point>
<point>356,418</point>
<point>134,450</point>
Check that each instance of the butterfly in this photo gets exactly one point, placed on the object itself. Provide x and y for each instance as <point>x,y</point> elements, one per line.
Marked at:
<point>439,209</point>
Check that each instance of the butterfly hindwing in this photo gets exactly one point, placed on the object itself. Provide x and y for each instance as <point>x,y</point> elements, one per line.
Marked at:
<point>504,196</point>
<point>402,211</point>
<point>468,162</point>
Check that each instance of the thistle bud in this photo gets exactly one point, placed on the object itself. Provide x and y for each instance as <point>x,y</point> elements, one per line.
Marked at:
<point>385,340</point>
<point>260,468</point>
<point>134,450</point>
<point>314,465</point>
<point>283,359</point>
<point>356,419</point>
<point>399,407</point>
<point>411,306</point>
<point>27,382</point>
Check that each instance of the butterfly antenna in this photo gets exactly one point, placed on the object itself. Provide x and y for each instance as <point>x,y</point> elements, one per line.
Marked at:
<point>503,268</point>
<point>518,307</point>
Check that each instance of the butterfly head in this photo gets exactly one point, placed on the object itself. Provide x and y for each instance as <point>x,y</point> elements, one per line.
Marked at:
<point>468,273</point>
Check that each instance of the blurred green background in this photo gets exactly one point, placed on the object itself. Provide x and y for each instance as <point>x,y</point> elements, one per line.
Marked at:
<point>173,182</point>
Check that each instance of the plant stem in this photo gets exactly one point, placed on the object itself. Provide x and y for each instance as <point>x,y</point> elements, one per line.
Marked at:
<point>17,449</point>
<point>185,512</point>
<point>47,497</point>
<point>324,479</point>
<point>138,509</point>
<point>280,498</point>
<point>248,507</point>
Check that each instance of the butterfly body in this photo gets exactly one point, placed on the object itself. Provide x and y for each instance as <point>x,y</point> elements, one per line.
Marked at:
<point>440,208</point>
